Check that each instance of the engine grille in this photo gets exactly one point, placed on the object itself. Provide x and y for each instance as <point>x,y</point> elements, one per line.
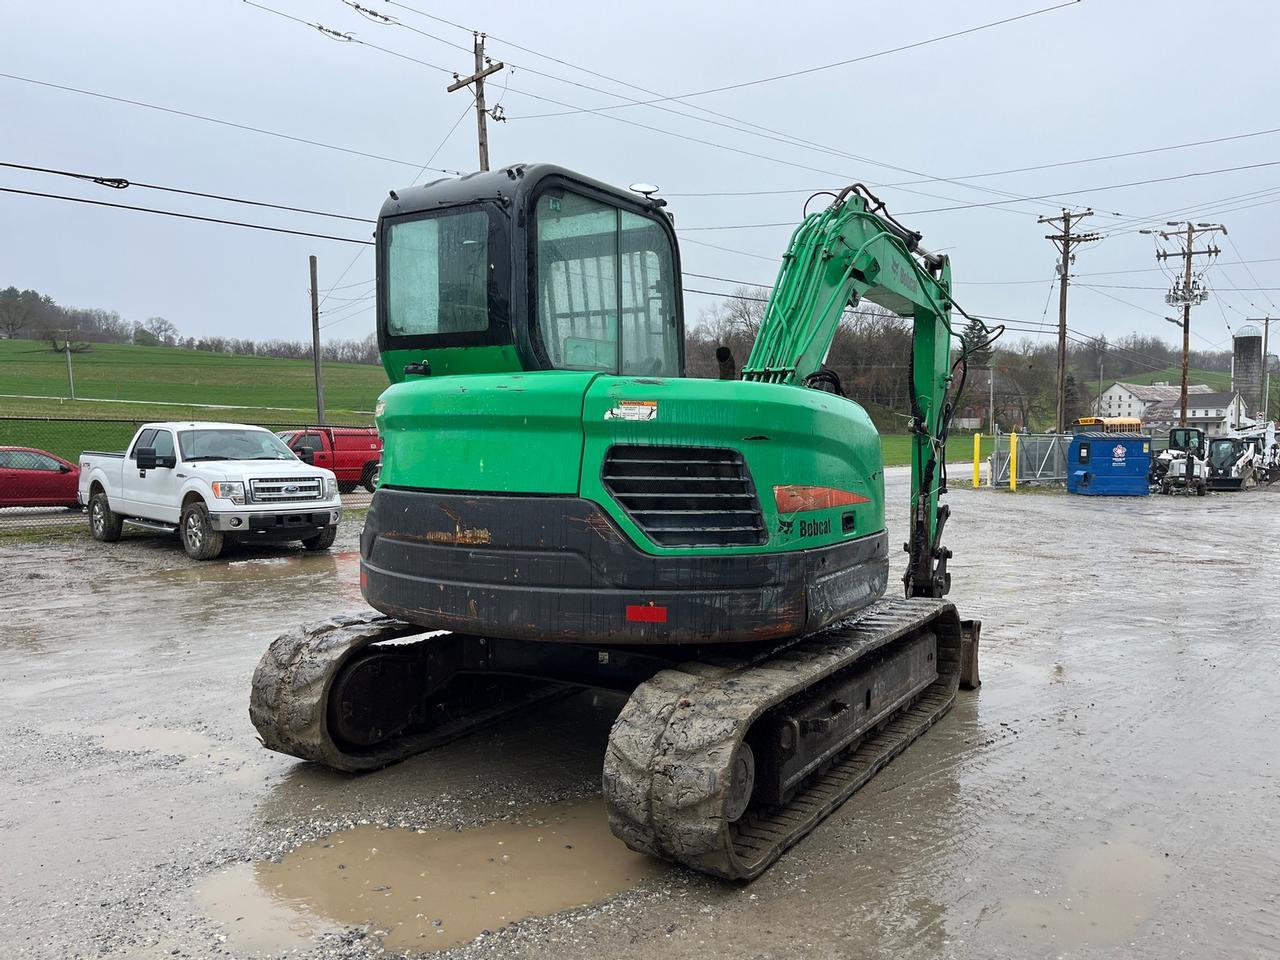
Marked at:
<point>285,489</point>
<point>686,496</point>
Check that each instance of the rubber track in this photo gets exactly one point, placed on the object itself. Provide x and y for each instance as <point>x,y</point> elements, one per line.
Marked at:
<point>289,701</point>
<point>667,768</point>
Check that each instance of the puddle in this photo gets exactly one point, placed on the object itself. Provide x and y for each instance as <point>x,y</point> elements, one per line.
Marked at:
<point>1106,897</point>
<point>429,890</point>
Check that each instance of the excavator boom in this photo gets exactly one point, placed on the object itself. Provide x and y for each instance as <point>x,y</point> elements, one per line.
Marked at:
<point>837,258</point>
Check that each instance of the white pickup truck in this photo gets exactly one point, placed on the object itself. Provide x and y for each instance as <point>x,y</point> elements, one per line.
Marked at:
<point>208,482</point>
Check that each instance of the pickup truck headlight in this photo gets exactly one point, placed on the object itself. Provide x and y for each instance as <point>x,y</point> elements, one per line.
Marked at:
<point>232,490</point>
<point>330,488</point>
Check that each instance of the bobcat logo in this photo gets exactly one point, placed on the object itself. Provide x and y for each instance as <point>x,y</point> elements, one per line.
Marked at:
<point>785,526</point>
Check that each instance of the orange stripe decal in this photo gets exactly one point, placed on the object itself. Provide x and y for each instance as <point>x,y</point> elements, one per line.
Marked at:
<point>795,499</point>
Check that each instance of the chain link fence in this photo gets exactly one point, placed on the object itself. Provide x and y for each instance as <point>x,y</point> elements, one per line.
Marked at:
<point>40,466</point>
<point>1042,457</point>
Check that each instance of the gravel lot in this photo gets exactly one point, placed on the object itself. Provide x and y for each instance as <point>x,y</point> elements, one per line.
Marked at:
<point>1111,790</point>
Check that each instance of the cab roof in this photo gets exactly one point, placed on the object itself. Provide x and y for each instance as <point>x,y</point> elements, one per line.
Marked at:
<point>200,425</point>
<point>508,185</point>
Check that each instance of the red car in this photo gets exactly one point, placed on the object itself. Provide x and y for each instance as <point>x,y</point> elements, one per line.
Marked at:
<point>36,478</point>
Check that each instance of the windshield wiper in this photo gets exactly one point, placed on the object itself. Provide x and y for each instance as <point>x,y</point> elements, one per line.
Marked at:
<point>206,457</point>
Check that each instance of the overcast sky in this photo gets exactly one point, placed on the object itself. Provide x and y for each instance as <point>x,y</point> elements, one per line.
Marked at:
<point>1093,78</point>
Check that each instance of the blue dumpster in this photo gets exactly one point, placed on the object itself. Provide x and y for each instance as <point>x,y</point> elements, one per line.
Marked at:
<point>1109,464</point>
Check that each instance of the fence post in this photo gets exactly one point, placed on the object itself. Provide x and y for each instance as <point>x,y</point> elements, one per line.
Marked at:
<point>977,454</point>
<point>1013,462</point>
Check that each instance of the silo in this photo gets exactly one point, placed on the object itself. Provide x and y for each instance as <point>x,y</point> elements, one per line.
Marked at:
<point>1246,367</point>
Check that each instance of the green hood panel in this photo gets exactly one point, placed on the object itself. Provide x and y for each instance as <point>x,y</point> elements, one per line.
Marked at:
<point>788,435</point>
<point>494,433</point>
<point>549,432</point>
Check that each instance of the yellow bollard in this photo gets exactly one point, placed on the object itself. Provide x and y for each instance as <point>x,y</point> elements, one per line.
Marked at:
<point>977,456</point>
<point>1013,462</point>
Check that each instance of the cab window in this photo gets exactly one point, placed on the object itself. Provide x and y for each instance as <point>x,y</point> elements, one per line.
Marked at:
<point>605,287</point>
<point>145,439</point>
<point>438,275</point>
<point>163,443</point>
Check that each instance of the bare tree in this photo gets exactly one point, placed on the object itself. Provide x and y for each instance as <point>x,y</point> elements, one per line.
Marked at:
<point>14,316</point>
<point>163,330</point>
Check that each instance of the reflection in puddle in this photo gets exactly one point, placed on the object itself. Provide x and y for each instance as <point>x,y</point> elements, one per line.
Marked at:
<point>426,890</point>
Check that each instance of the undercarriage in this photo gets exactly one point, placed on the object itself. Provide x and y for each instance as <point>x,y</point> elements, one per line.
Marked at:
<point>721,759</point>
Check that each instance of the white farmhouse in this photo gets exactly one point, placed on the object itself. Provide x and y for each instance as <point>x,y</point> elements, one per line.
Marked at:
<point>1134,399</point>
<point>1214,413</point>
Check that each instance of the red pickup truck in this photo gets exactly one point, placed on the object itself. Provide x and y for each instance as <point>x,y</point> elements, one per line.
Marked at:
<point>352,453</point>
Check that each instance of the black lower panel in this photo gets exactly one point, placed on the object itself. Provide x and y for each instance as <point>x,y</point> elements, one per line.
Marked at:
<point>556,568</point>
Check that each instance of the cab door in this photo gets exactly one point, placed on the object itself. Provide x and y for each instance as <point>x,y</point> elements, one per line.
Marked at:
<point>153,494</point>
<point>321,451</point>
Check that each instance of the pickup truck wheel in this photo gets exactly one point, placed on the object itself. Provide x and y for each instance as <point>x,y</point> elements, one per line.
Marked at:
<point>369,479</point>
<point>346,486</point>
<point>104,523</point>
<point>322,540</point>
<point>199,539</point>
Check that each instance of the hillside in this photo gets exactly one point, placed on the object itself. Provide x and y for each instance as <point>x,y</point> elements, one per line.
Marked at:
<point>1216,379</point>
<point>1213,378</point>
<point>161,375</point>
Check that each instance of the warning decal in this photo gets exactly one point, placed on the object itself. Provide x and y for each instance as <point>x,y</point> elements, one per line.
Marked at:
<point>634,410</point>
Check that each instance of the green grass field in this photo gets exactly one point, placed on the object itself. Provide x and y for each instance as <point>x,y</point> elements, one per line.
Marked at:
<point>162,383</point>
<point>1173,376</point>
<point>896,448</point>
<point>114,372</point>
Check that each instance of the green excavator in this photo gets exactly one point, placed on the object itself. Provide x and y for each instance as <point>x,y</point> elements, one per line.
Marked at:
<point>561,507</point>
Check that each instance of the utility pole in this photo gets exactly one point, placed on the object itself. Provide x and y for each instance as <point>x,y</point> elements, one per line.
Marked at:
<point>1266,370</point>
<point>1064,241</point>
<point>315,341</point>
<point>1100,357</point>
<point>66,346</point>
<point>1192,290</point>
<point>482,71</point>
<point>991,386</point>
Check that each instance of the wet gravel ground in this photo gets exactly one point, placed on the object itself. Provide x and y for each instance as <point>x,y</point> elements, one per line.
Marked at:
<point>1111,790</point>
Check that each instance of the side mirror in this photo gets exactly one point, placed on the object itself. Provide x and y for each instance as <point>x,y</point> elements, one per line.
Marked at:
<point>306,455</point>
<point>146,457</point>
<point>63,468</point>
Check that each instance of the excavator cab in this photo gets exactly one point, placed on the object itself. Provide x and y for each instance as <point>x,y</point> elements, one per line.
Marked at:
<point>528,268</point>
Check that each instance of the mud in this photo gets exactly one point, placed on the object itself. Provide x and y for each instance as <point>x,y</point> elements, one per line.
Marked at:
<point>1111,791</point>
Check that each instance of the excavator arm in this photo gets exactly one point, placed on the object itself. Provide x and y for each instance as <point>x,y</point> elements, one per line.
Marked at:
<point>854,251</point>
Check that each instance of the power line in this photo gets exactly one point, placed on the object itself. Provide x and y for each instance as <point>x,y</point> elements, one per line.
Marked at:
<point>1047,196</point>
<point>1134,286</point>
<point>422,169</point>
<point>1074,335</point>
<point>840,63</point>
<point>225,123</point>
<point>1250,272</point>
<point>120,183</point>
<point>736,124</point>
<point>995,173</point>
<point>183,216</point>
<point>333,34</point>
